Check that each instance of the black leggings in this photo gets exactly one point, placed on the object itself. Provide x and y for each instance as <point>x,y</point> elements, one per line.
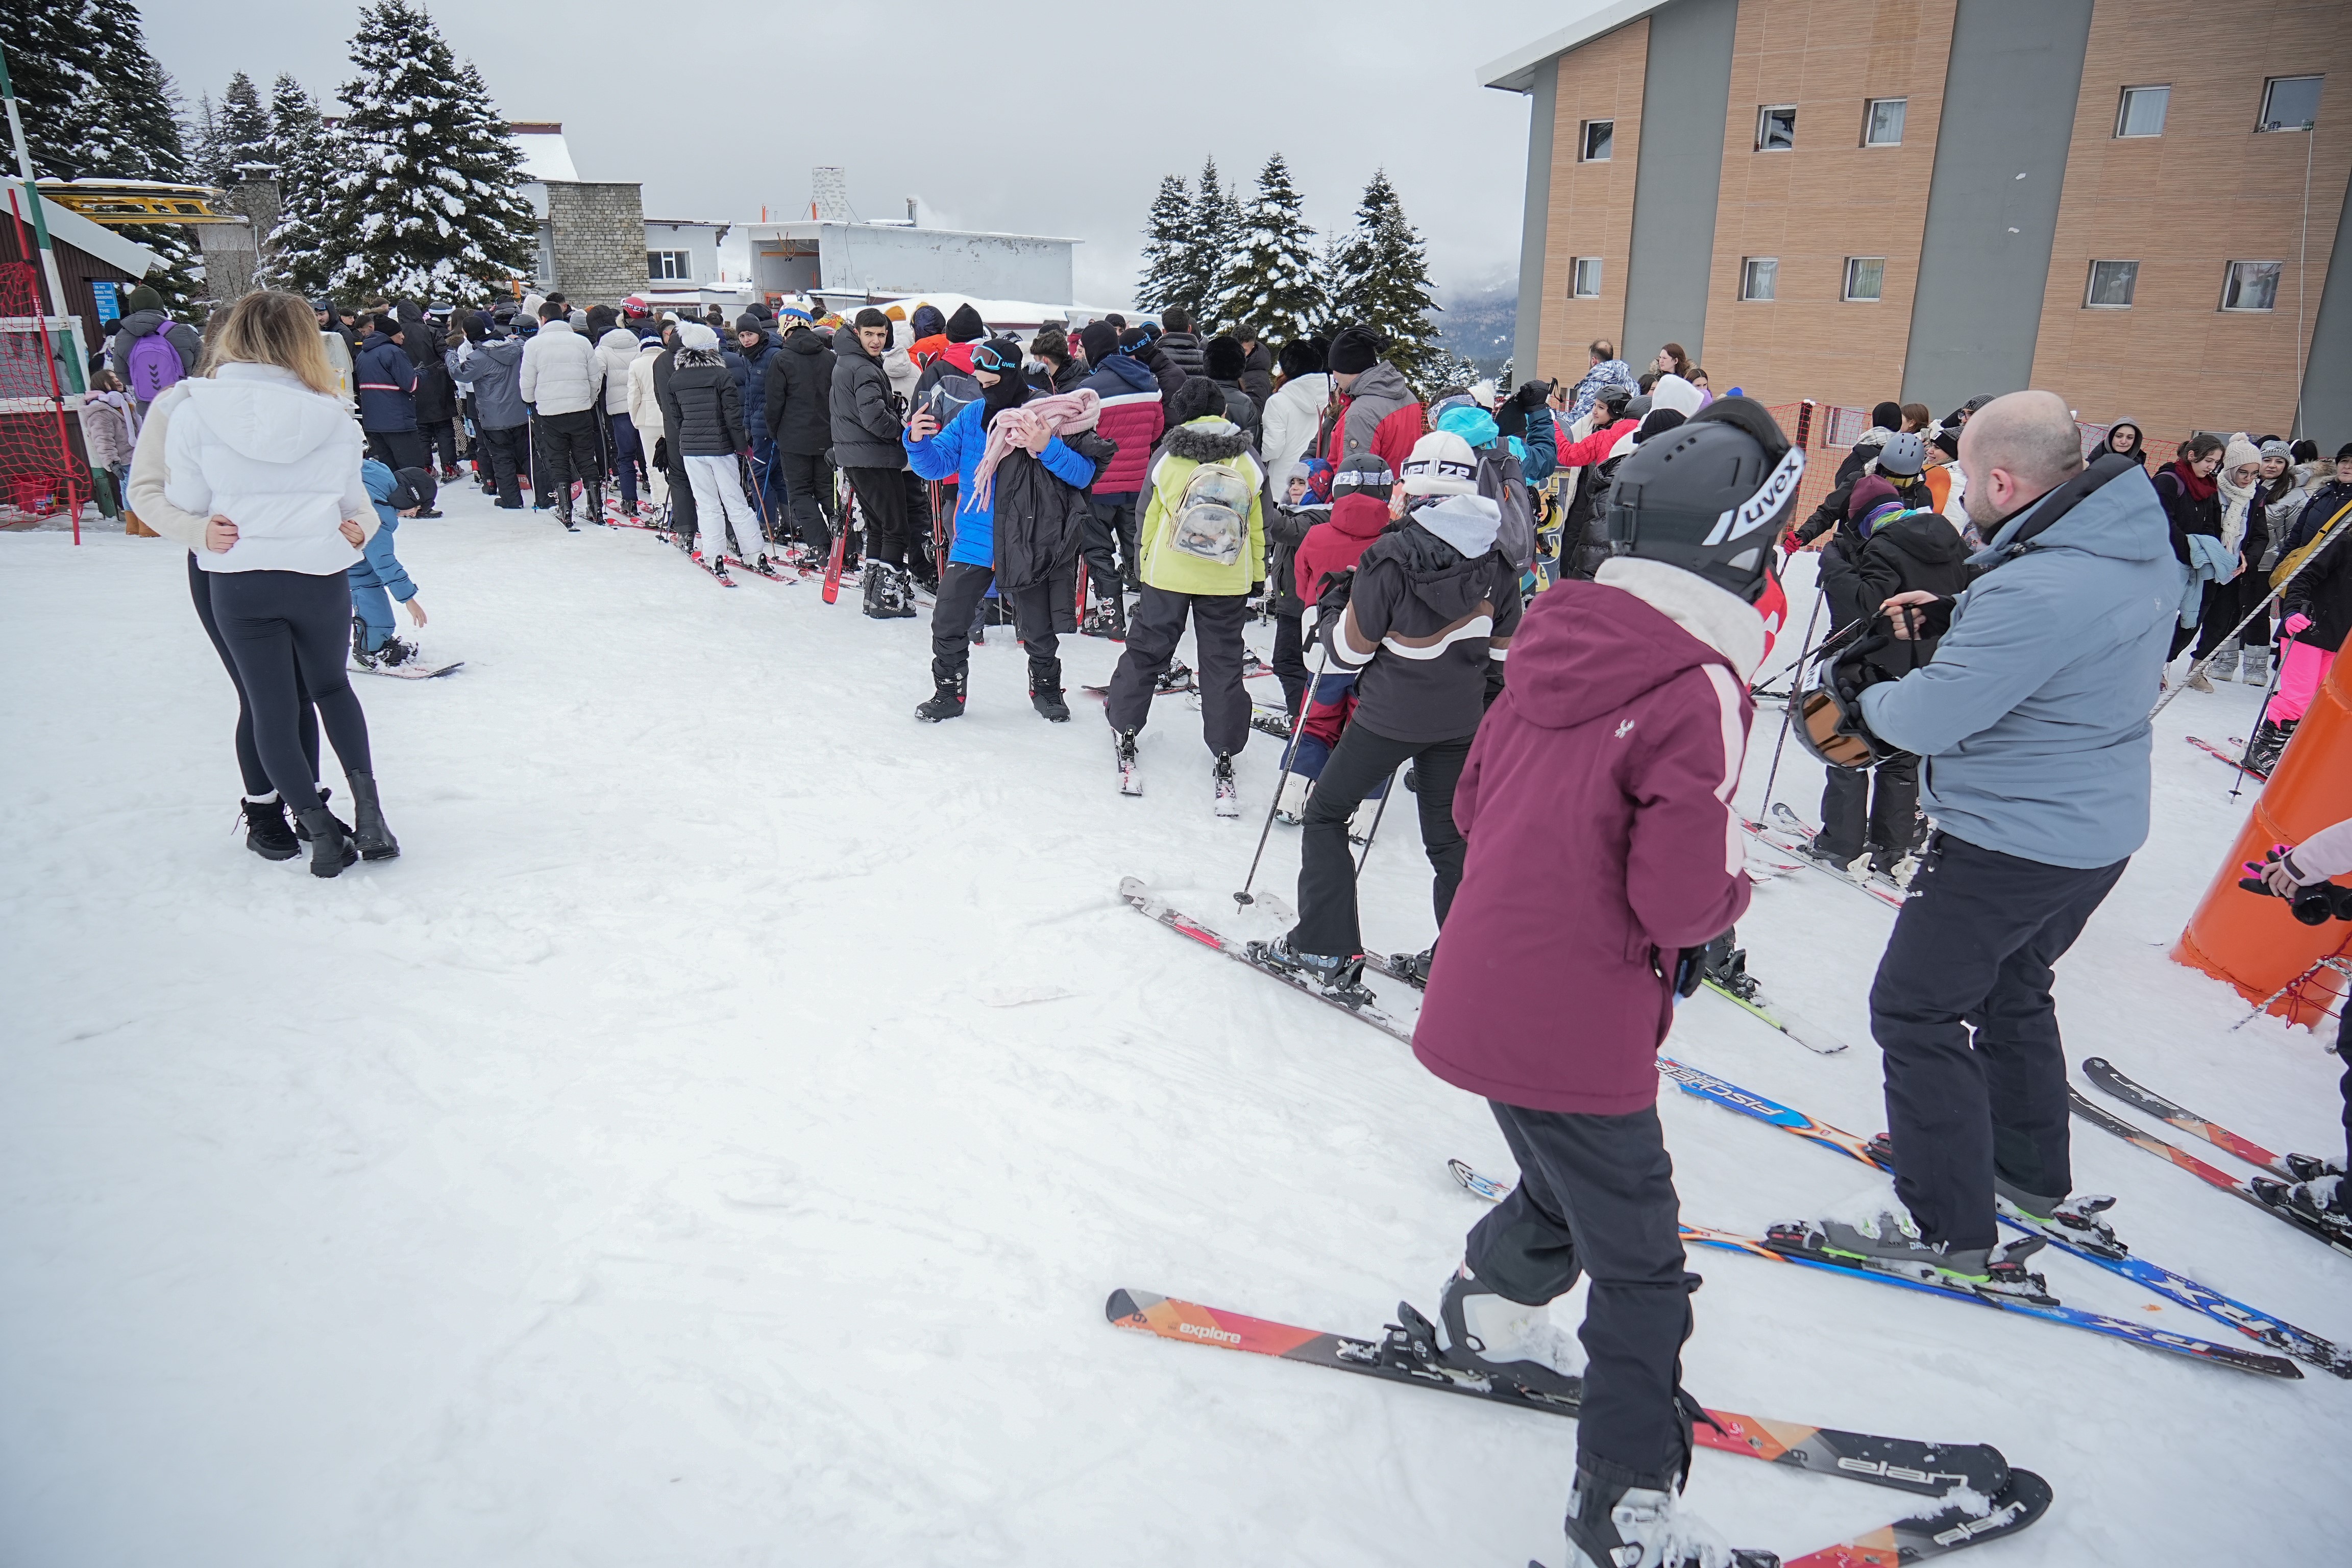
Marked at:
<point>289,632</point>
<point>248,760</point>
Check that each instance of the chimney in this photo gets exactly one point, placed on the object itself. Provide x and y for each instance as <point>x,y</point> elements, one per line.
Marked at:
<point>828,195</point>
<point>910,212</point>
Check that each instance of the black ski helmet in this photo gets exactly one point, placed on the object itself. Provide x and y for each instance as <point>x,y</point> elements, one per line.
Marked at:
<point>1709,495</point>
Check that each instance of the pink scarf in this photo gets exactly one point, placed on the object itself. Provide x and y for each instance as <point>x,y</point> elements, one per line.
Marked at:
<point>1055,414</point>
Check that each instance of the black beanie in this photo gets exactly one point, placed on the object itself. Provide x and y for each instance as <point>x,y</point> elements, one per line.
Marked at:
<point>1887,417</point>
<point>1198,396</point>
<point>927,322</point>
<point>1223,359</point>
<point>869,317</point>
<point>965,326</point>
<point>1135,340</point>
<point>748,322</point>
<point>1355,351</point>
<point>1099,340</point>
<point>1298,358</point>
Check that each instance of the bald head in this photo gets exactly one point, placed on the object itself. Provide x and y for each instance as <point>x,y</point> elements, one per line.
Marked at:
<point>2015,451</point>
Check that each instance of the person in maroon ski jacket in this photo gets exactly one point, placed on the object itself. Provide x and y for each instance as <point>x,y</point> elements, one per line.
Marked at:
<point>1624,715</point>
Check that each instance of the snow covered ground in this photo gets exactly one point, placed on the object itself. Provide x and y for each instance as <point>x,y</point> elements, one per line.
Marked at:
<point>713,1140</point>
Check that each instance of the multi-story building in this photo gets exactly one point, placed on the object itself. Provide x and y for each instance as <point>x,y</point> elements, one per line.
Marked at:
<point>2140,205</point>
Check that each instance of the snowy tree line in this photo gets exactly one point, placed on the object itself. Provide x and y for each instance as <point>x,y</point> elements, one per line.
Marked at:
<point>1254,270</point>
<point>414,190</point>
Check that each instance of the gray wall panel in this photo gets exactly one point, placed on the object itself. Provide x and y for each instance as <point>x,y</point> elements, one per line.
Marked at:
<point>1679,177</point>
<point>2009,112</point>
<point>1543,112</point>
<point>2327,373</point>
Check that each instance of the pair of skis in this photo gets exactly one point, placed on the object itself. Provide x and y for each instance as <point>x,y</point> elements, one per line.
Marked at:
<point>2236,759</point>
<point>1975,1495</point>
<point>1792,836</point>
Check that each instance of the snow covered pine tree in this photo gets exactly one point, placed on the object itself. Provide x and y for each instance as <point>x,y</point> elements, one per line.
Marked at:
<point>1167,246</point>
<point>1270,291</point>
<point>304,151</point>
<point>1383,282</point>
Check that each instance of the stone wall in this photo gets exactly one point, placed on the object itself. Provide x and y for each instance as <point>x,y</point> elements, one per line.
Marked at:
<point>599,240</point>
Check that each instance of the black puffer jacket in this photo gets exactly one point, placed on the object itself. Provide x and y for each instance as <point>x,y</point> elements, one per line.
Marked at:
<point>1919,550</point>
<point>1185,352</point>
<point>865,411</point>
<point>1257,375</point>
<point>1241,408</point>
<point>1040,523</point>
<point>798,394</point>
<point>436,391</point>
<point>702,415</point>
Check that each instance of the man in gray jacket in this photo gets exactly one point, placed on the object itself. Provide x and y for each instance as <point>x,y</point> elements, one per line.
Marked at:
<point>2032,721</point>
<point>866,418</point>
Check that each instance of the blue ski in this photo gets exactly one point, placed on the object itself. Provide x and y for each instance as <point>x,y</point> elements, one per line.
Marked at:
<point>2252,1321</point>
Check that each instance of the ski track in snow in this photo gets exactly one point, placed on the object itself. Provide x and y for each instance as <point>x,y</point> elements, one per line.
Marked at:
<point>713,1140</point>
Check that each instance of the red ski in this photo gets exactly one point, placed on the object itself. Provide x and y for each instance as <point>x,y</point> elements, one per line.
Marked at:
<point>833,564</point>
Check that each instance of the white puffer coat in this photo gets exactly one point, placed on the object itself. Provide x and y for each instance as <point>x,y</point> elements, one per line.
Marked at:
<point>560,372</point>
<point>644,408</point>
<point>252,444</point>
<point>614,350</point>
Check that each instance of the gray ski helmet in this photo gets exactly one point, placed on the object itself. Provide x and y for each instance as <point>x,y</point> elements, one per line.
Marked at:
<point>1709,496</point>
<point>1903,455</point>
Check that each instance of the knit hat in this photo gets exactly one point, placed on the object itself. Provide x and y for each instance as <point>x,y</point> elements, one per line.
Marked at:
<point>1356,349</point>
<point>870,317</point>
<point>2241,453</point>
<point>794,313</point>
<point>1473,424</point>
<point>998,357</point>
<point>1197,398</point>
<point>1886,417</point>
<point>1869,493</point>
<point>748,322</point>
<point>1099,341</point>
<point>1298,358</point>
<point>1135,340</point>
<point>1442,463</point>
<point>965,326</point>
<point>1482,393</point>
<point>2274,447</point>
<point>2344,453</point>
<point>142,298</point>
<point>1364,474</point>
<point>697,336</point>
<point>1657,422</point>
<point>1223,359</point>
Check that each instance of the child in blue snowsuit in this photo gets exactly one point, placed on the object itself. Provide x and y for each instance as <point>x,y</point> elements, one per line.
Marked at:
<point>380,578</point>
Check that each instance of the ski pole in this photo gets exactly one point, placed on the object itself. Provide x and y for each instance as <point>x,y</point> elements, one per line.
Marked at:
<point>1788,711</point>
<point>1289,751</point>
<point>2261,716</point>
<point>2320,541</point>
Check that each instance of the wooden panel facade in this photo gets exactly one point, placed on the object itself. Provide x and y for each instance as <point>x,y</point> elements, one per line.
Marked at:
<point>1591,210</point>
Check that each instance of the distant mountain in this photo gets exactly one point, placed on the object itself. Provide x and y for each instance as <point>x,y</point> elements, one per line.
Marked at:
<point>1480,323</point>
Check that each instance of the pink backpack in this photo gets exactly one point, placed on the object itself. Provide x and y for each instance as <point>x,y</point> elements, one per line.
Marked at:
<point>152,366</point>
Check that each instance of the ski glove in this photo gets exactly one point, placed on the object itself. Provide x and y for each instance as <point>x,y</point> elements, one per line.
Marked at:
<point>2293,623</point>
<point>2313,904</point>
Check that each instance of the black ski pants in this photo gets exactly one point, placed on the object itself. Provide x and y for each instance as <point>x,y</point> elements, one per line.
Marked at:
<point>920,560</point>
<point>1327,871</point>
<point>1596,1196</point>
<point>1152,628</point>
<point>2227,603</point>
<point>508,452</point>
<point>1872,808</point>
<point>882,498</point>
<point>291,634</point>
<point>1976,1075</point>
<point>440,437</point>
<point>1110,544</point>
<point>398,449</point>
<point>961,590</point>
<point>1289,659</point>
<point>306,717</point>
<point>808,497</point>
<point>570,444</point>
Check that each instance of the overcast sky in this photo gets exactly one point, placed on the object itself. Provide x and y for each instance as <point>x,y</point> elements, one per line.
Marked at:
<point>1046,118</point>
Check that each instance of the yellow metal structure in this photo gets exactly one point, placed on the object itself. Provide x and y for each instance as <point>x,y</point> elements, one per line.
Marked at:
<point>130,203</point>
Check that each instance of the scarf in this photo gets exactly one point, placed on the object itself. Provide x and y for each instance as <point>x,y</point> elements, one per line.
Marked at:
<point>2193,484</point>
<point>2234,500</point>
<point>1019,425</point>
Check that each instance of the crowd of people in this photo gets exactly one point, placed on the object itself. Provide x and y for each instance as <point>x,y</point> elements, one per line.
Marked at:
<point>1544,608</point>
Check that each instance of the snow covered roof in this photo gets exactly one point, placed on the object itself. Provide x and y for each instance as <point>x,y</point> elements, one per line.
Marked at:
<point>545,155</point>
<point>1027,314</point>
<point>807,228</point>
<point>1515,72</point>
<point>68,226</point>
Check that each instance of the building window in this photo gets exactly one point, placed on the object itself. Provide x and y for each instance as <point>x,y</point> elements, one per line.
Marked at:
<point>2142,111</point>
<point>1775,128</point>
<point>1758,277</point>
<point>2251,285</point>
<point>1584,278</point>
<point>2111,285</point>
<point>1594,146</point>
<point>2290,103</point>
<point>1865,277</point>
<point>664,265</point>
<point>1882,122</point>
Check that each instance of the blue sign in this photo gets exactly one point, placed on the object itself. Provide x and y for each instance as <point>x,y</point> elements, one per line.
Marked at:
<point>110,301</point>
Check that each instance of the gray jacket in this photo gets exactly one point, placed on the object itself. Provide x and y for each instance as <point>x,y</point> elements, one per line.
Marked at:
<point>497,369</point>
<point>2032,717</point>
<point>865,412</point>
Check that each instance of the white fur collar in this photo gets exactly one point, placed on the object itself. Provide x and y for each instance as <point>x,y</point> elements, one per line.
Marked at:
<point>1723,621</point>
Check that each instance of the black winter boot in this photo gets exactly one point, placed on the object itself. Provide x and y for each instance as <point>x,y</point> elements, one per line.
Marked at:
<point>369,835</point>
<point>266,833</point>
<point>947,698</point>
<point>1045,690</point>
<point>2270,740</point>
<point>330,849</point>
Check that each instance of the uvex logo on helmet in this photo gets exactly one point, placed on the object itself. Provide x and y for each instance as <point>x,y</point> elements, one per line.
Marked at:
<point>1778,487</point>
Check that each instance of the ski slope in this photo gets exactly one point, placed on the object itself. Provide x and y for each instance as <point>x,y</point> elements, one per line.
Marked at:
<point>713,1140</point>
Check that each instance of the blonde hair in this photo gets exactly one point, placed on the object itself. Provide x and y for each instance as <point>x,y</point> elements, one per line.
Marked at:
<point>273,328</point>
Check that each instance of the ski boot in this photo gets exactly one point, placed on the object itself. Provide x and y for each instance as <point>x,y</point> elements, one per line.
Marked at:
<point>717,567</point>
<point>1340,979</point>
<point>1175,678</point>
<point>1727,966</point>
<point>947,695</point>
<point>1412,968</point>
<point>2270,740</point>
<point>1891,1244</point>
<point>1614,1524</point>
<point>266,833</point>
<point>563,516</point>
<point>1895,869</point>
<point>1104,618</point>
<point>1506,1341</point>
<point>2075,1219</point>
<point>1045,693</point>
<point>2310,1167</point>
<point>1229,797</point>
<point>1266,722</point>
<point>2320,1199</point>
<point>331,845</point>
<point>1361,821</point>
<point>396,653</point>
<point>1290,805</point>
<point>370,836</point>
<point>1130,772</point>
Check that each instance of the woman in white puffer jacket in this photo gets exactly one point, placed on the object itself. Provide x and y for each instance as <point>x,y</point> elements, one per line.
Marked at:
<point>254,465</point>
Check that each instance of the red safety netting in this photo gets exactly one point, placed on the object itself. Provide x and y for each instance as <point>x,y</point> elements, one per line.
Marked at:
<point>40,474</point>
